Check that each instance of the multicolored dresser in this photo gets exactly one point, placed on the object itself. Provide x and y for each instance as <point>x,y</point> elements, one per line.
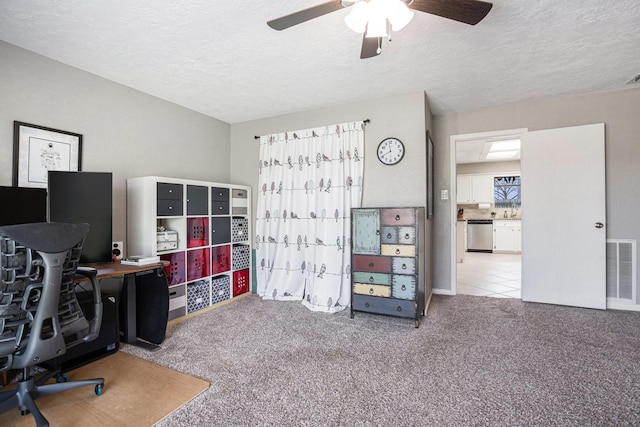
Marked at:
<point>388,262</point>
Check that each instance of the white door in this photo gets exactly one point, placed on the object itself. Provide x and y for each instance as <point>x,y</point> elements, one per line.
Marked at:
<point>563,206</point>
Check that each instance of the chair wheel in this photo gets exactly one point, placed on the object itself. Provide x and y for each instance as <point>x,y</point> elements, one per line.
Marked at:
<point>98,389</point>
<point>62,378</point>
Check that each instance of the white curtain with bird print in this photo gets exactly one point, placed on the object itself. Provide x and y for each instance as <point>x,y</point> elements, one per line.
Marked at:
<point>309,181</point>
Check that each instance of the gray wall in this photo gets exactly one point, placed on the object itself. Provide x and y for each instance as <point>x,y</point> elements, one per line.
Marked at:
<point>131,134</point>
<point>402,116</point>
<point>124,131</point>
<point>406,117</point>
<point>618,110</point>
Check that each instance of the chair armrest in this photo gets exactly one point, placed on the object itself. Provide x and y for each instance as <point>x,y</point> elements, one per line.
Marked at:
<point>94,324</point>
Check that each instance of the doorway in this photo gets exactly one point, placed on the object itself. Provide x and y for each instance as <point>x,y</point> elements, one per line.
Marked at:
<point>480,273</point>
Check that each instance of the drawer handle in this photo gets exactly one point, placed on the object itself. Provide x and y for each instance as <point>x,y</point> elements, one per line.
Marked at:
<point>170,207</point>
<point>406,236</point>
<point>399,308</point>
<point>220,208</point>
<point>371,291</point>
<point>398,251</point>
<point>403,287</point>
<point>397,217</point>
<point>404,266</point>
<point>371,264</point>
<point>366,304</point>
<point>388,235</point>
<point>377,232</point>
<point>370,279</point>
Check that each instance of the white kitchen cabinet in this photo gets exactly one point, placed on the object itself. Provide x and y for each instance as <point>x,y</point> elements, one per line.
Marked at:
<point>506,236</point>
<point>474,189</point>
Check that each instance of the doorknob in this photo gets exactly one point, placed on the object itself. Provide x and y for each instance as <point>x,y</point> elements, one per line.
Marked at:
<point>599,225</point>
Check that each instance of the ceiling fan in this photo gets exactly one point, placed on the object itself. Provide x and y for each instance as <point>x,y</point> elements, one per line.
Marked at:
<point>376,18</point>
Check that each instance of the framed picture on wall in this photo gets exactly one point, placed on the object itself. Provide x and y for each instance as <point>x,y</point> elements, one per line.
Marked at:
<point>39,149</point>
<point>429,176</point>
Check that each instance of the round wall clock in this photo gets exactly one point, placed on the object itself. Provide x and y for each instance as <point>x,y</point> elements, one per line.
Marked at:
<point>390,151</point>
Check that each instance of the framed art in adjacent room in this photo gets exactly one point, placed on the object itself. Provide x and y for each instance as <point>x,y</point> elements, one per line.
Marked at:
<point>430,175</point>
<point>39,149</point>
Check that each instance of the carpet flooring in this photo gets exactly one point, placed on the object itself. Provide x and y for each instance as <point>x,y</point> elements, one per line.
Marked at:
<point>474,361</point>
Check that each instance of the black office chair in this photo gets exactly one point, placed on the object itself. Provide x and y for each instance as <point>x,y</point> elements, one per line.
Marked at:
<point>39,314</point>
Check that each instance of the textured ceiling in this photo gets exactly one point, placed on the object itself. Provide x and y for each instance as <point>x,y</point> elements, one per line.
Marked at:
<point>220,58</point>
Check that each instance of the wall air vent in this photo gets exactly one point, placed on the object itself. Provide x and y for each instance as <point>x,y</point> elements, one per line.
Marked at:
<point>621,275</point>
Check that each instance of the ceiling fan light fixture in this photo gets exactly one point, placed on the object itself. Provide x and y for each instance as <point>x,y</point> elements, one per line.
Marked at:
<point>377,27</point>
<point>357,19</point>
<point>399,15</point>
<point>372,16</point>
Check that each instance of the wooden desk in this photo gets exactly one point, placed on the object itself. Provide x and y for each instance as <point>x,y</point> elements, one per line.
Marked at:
<point>128,272</point>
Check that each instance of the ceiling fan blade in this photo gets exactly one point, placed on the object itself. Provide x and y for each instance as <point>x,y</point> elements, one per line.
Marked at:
<point>304,15</point>
<point>468,11</point>
<point>371,46</point>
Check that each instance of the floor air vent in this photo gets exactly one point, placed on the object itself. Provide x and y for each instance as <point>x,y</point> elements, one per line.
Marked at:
<point>621,274</point>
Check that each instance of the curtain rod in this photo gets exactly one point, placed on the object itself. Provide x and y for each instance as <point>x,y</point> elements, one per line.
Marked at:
<point>365,121</point>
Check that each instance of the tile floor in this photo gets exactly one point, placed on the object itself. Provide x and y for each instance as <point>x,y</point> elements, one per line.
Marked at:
<point>491,275</point>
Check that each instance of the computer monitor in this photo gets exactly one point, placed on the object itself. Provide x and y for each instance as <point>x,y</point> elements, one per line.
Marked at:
<point>84,197</point>
<point>21,205</point>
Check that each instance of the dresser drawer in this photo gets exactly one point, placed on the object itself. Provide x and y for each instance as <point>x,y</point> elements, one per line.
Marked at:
<point>403,265</point>
<point>377,264</point>
<point>169,191</point>
<point>220,194</point>
<point>398,250</point>
<point>389,235</point>
<point>177,302</point>
<point>404,287</point>
<point>407,235</point>
<point>239,193</point>
<point>239,202</point>
<point>400,216</point>
<point>169,207</point>
<point>388,306</point>
<point>365,231</point>
<point>370,278</point>
<point>373,290</point>
<point>219,207</point>
<point>398,235</point>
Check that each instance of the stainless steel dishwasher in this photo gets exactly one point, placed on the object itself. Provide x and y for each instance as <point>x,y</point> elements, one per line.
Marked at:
<point>480,235</point>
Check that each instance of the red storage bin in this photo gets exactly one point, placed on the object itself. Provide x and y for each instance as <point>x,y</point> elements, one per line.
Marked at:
<point>240,282</point>
<point>220,259</point>
<point>175,269</point>
<point>197,232</point>
<point>197,263</point>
